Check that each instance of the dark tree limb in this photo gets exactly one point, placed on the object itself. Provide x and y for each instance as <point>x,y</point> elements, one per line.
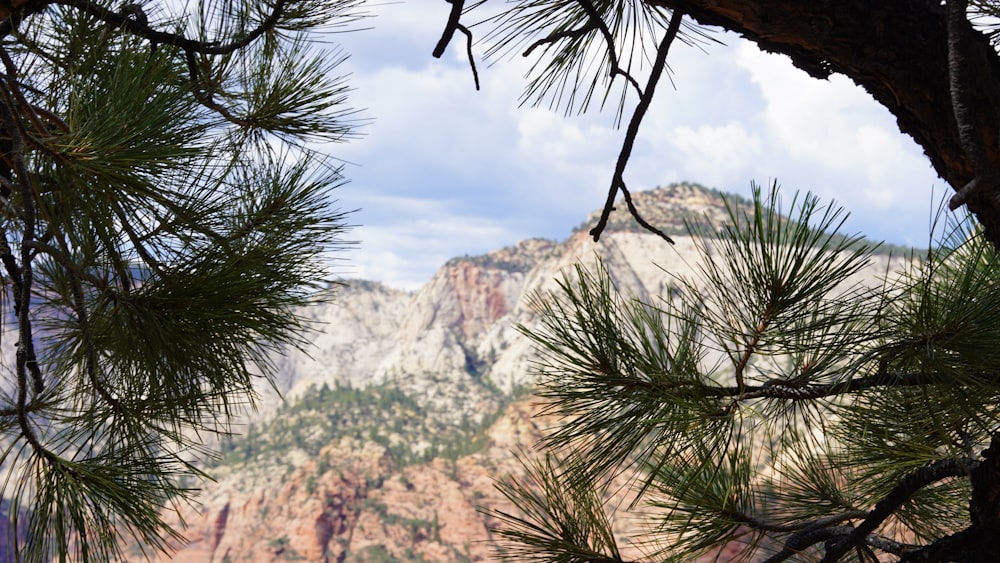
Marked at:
<point>984,507</point>
<point>454,20</point>
<point>898,51</point>
<point>971,545</point>
<point>133,19</point>
<point>962,79</point>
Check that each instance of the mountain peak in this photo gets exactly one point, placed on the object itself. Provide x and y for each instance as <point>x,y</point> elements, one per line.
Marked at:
<point>667,207</point>
<point>520,257</point>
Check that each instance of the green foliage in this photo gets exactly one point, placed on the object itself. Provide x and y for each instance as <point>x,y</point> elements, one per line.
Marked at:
<point>281,548</point>
<point>771,402</point>
<point>510,259</point>
<point>382,414</point>
<point>163,222</point>
<point>379,554</point>
<point>374,554</point>
<point>659,207</point>
<point>563,517</point>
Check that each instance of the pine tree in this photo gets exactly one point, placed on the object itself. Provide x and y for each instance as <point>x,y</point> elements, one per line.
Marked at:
<point>772,403</point>
<point>163,219</point>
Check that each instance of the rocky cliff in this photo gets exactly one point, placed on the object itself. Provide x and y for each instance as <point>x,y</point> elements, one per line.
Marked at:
<point>407,406</point>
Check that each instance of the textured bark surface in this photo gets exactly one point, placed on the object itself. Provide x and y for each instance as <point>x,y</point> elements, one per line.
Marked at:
<point>897,50</point>
<point>25,7</point>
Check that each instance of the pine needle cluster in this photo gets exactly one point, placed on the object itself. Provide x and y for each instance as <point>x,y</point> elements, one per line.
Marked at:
<point>772,402</point>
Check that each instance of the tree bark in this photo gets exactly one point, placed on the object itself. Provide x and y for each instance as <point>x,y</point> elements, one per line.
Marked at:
<point>11,7</point>
<point>897,50</point>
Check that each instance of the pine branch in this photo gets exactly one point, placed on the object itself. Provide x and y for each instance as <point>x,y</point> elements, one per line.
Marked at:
<point>140,27</point>
<point>784,390</point>
<point>822,522</point>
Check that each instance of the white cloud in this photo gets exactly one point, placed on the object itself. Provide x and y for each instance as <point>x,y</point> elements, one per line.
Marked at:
<point>849,145</point>
<point>713,154</point>
<point>446,170</point>
<point>422,237</point>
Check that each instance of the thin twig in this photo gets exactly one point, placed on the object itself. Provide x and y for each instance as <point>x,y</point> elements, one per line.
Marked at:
<point>63,260</point>
<point>618,181</point>
<point>751,347</point>
<point>468,52</point>
<point>592,25</point>
<point>821,522</point>
<point>800,541</point>
<point>74,273</point>
<point>609,42</point>
<point>450,27</point>
<point>136,241</point>
<point>204,95</point>
<point>90,363</point>
<point>638,219</point>
<point>781,389</point>
<point>34,114</point>
<point>25,356</point>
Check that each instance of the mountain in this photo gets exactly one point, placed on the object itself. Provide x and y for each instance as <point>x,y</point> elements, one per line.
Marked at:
<point>408,405</point>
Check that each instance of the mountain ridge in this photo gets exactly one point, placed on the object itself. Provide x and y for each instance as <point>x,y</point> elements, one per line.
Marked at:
<point>408,404</point>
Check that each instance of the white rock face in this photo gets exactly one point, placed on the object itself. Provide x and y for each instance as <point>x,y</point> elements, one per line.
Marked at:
<point>454,343</point>
<point>354,332</point>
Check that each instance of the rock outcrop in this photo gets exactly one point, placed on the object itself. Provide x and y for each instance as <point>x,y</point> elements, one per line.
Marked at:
<point>352,503</point>
<point>382,492</point>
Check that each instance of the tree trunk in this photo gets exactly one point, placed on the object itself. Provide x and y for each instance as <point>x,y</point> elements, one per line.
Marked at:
<point>897,50</point>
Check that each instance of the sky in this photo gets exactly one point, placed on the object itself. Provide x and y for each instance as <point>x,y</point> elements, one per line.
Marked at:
<point>442,170</point>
